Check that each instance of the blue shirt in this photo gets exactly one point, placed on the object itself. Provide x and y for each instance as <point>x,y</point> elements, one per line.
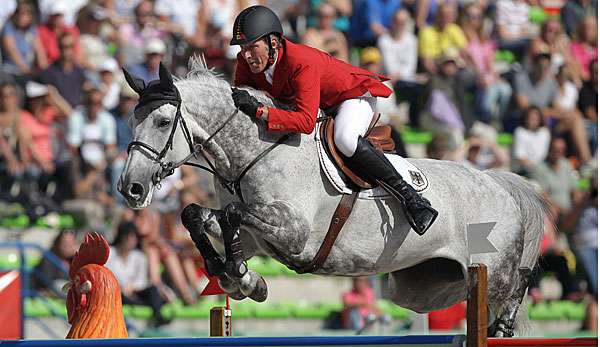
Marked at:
<point>142,71</point>
<point>124,133</point>
<point>367,12</point>
<point>24,43</point>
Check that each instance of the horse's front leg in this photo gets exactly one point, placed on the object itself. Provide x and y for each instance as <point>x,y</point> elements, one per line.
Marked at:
<point>198,221</point>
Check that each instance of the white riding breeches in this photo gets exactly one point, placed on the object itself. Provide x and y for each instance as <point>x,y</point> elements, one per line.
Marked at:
<point>352,120</point>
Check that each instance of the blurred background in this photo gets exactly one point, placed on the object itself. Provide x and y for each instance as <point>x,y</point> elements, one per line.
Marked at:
<point>504,84</point>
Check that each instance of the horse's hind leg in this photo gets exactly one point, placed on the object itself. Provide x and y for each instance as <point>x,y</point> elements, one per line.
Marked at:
<point>504,326</point>
<point>194,218</point>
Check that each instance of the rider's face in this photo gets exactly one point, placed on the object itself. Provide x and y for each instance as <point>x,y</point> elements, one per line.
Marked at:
<point>256,55</point>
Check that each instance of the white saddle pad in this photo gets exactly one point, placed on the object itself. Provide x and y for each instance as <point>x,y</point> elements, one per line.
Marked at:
<point>408,171</point>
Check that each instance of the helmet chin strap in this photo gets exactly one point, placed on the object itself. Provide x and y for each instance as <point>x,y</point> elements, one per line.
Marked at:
<point>271,59</point>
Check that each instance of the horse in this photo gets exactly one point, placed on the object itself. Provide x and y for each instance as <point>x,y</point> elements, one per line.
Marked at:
<point>275,200</point>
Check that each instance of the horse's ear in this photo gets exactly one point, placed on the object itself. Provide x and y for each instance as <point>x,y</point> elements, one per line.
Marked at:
<point>165,75</point>
<point>137,84</point>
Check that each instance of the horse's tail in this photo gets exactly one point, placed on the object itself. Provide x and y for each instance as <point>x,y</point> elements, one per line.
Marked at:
<point>534,210</point>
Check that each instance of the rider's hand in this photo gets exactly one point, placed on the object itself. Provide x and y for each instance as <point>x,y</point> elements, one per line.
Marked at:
<point>245,102</point>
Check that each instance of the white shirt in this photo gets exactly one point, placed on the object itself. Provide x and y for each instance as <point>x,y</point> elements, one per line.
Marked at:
<point>269,72</point>
<point>132,271</point>
<point>399,56</point>
<point>567,96</point>
<point>513,15</point>
<point>531,145</point>
<point>182,12</point>
<point>6,10</point>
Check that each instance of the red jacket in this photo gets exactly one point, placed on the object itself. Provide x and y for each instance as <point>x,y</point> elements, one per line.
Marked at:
<point>309,79</point>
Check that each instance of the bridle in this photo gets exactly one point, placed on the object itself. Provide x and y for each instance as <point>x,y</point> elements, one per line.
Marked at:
<point>168,167</point>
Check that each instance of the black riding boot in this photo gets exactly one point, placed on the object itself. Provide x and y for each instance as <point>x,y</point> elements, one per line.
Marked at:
<point>377,169</point>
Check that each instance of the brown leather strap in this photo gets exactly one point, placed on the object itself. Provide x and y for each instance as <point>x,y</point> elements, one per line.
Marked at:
<point>340,216</point>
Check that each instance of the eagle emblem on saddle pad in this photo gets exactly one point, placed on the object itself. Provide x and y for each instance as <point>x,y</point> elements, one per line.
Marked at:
<point>416,178</point>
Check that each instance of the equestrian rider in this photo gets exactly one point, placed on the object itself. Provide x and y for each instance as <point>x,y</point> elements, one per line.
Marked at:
<point>310,79</point>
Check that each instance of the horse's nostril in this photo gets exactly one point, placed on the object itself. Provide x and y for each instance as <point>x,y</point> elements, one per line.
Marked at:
<point>136,190</point>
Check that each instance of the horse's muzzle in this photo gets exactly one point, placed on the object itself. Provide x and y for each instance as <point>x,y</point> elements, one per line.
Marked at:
<point>134,191</point>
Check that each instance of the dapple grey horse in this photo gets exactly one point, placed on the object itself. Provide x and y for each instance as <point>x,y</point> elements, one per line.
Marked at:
<point>288,204</point>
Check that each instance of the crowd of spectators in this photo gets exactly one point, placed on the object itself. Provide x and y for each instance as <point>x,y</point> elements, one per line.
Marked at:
<point>464,70</point>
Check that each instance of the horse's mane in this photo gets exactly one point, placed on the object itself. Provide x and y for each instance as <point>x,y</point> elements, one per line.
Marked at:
<point>198,71</point>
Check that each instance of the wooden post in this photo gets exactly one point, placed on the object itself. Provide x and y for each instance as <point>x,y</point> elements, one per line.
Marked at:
<point>477,313</point>
<point>220,322</point>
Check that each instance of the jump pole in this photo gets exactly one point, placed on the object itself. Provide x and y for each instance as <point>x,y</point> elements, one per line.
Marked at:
<point>477,313</point>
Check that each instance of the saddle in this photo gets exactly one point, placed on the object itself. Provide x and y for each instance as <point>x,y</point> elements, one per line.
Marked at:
<point>379,136</point>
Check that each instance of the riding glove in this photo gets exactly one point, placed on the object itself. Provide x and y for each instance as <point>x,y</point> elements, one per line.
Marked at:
<point>245,102</point>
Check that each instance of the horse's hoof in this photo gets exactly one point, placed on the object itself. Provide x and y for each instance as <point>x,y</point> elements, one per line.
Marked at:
<point>260,292</point>
<point>237,295</point>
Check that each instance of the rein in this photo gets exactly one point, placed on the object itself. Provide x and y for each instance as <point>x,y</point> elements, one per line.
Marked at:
<point>167,168</point>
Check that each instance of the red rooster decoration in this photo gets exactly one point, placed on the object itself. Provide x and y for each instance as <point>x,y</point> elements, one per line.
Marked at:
<point>94,306</point>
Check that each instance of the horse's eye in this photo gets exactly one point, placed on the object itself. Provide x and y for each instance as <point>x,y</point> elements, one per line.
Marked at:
<point>163,123</point>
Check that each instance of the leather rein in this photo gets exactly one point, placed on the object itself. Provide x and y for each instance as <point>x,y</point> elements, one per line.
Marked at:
<point>168,167</point>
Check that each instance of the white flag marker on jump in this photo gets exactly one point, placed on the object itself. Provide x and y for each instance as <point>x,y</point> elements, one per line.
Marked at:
<point>477,239</point>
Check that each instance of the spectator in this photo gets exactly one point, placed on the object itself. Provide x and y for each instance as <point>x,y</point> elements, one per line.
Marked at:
<point>148,70</point>
<point>540,89</point>
<point>585,48</point>
<point>325,37</point>
<point>573,11</point>
<point>399,51</point>
<point>14,137</point>
<point>50,33</point>
<point>370,19</point>
<point>437,148</point>
<point>492,93</point>
<point>554,42</point>
<point>133,37</point>
<point>531,142</point>
<point>130,267</point>
<point>588,105</point>
<point>583,221</point>
<point>566,103</point>
<point>483,154</point>
<point>127,101</point>
<point>444,109</point>
<point>95,37</point>
<point>65,74</point>
<point>92,139</point>
<point>444,35</point>
<point>51,275</point>
<point>22,51</point>
<point>158,251</point>
<point>360,307</point>
<point>70,9</point>
<point>512,26</point>
<point>46,107</point>
<point>187,18</point>
<point>110,83</point>
<point>557,178</point>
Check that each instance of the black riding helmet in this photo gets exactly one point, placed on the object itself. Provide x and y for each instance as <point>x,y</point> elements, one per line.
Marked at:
<point>253,23</point>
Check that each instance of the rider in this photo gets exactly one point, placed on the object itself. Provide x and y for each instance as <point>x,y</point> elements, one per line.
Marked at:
<point>310,79</point>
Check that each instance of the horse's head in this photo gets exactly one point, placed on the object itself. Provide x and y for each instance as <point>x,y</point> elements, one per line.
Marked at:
<point>161,138</point>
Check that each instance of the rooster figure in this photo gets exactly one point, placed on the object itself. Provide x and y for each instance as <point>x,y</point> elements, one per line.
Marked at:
<point>94,306</point>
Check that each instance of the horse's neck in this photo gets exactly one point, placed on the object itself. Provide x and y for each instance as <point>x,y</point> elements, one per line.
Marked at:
<point>239,141</point>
